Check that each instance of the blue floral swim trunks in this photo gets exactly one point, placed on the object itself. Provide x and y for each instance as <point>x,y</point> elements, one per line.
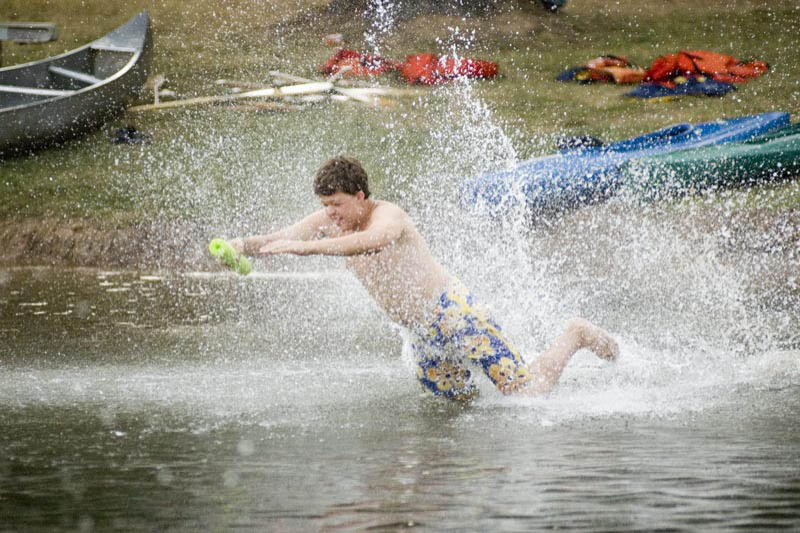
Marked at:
<point>460,337</point>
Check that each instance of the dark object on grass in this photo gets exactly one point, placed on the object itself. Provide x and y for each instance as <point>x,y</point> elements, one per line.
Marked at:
<point>578,141</point>
<point>695,86</point>
<point>129,135</point>
<point>553,5</point>
<point>66,95</point>
<point>578,74</point>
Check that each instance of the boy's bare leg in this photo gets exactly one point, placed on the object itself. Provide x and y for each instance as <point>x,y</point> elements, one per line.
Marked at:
<point>580,333</point>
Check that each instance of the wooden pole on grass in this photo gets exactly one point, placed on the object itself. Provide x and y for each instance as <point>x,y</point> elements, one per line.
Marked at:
<point>288,90</point>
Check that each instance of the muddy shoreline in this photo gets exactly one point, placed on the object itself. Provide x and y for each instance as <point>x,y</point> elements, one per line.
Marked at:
<point>53,241</point>
<point>58,242</point>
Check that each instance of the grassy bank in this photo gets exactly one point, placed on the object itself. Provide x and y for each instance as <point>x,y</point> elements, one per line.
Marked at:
<point>212,162</point>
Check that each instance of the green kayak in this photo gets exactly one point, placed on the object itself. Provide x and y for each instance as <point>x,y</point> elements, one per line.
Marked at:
<point>772,156</point>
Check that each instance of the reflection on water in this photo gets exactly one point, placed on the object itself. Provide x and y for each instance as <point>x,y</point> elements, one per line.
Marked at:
<point>282,402</point>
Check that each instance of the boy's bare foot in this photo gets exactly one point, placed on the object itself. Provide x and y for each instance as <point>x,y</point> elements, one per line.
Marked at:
<point>595,339</point>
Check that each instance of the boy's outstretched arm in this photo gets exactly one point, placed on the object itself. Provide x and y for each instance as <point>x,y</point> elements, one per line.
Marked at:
<point>380,234</point>
<point>315,225</point>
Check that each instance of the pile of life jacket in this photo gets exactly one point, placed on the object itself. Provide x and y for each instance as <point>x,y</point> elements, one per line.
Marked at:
<point>420,69</point>
<point>686,72</point>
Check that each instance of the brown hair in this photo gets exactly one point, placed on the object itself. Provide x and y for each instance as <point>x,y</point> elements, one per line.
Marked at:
<point>341,174</point>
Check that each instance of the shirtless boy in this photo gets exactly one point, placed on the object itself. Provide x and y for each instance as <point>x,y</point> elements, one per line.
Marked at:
<point>453,337</point>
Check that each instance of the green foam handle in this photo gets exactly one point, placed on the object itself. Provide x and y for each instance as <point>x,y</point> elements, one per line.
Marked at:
<point>225,254</point>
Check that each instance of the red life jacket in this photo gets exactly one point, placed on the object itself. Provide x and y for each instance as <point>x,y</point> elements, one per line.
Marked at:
<point>423,69</point>
<point>361,65</point>
<point>428,69</point>
<point>420,68</point>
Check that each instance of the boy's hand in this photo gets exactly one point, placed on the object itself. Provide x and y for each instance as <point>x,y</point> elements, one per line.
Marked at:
<point>237,244</point>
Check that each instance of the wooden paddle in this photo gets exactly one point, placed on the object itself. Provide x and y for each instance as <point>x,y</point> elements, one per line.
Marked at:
<point>287,90</point>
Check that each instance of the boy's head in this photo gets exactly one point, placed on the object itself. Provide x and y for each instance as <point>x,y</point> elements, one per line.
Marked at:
<point>341,174</point>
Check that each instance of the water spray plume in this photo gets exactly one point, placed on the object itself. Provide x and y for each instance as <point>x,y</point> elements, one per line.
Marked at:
<point>382,13</point>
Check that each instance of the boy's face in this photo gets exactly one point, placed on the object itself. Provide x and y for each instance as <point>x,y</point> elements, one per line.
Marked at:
<point>346,210</point>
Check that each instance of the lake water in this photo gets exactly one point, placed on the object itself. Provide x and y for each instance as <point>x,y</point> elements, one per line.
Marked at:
<point>283,402</point>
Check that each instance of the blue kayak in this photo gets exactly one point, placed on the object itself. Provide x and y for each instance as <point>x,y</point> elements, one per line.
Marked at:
<point>583,175</point>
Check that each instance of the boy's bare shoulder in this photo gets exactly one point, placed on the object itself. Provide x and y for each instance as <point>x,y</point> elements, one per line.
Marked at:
<point>388,210</point>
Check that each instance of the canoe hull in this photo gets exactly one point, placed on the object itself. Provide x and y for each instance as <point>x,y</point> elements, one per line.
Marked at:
<point>113,68</point>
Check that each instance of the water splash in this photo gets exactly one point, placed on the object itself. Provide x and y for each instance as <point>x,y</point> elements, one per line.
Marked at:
<point>689,312</point>
<point>685,308</point>
<point>382,14</point>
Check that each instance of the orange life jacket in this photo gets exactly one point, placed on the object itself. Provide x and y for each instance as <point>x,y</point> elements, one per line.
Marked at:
<point>615,69</point>
<point>719,67</point>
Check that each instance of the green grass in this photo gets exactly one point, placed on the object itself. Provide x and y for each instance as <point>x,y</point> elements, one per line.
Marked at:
<point>211,162</point>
